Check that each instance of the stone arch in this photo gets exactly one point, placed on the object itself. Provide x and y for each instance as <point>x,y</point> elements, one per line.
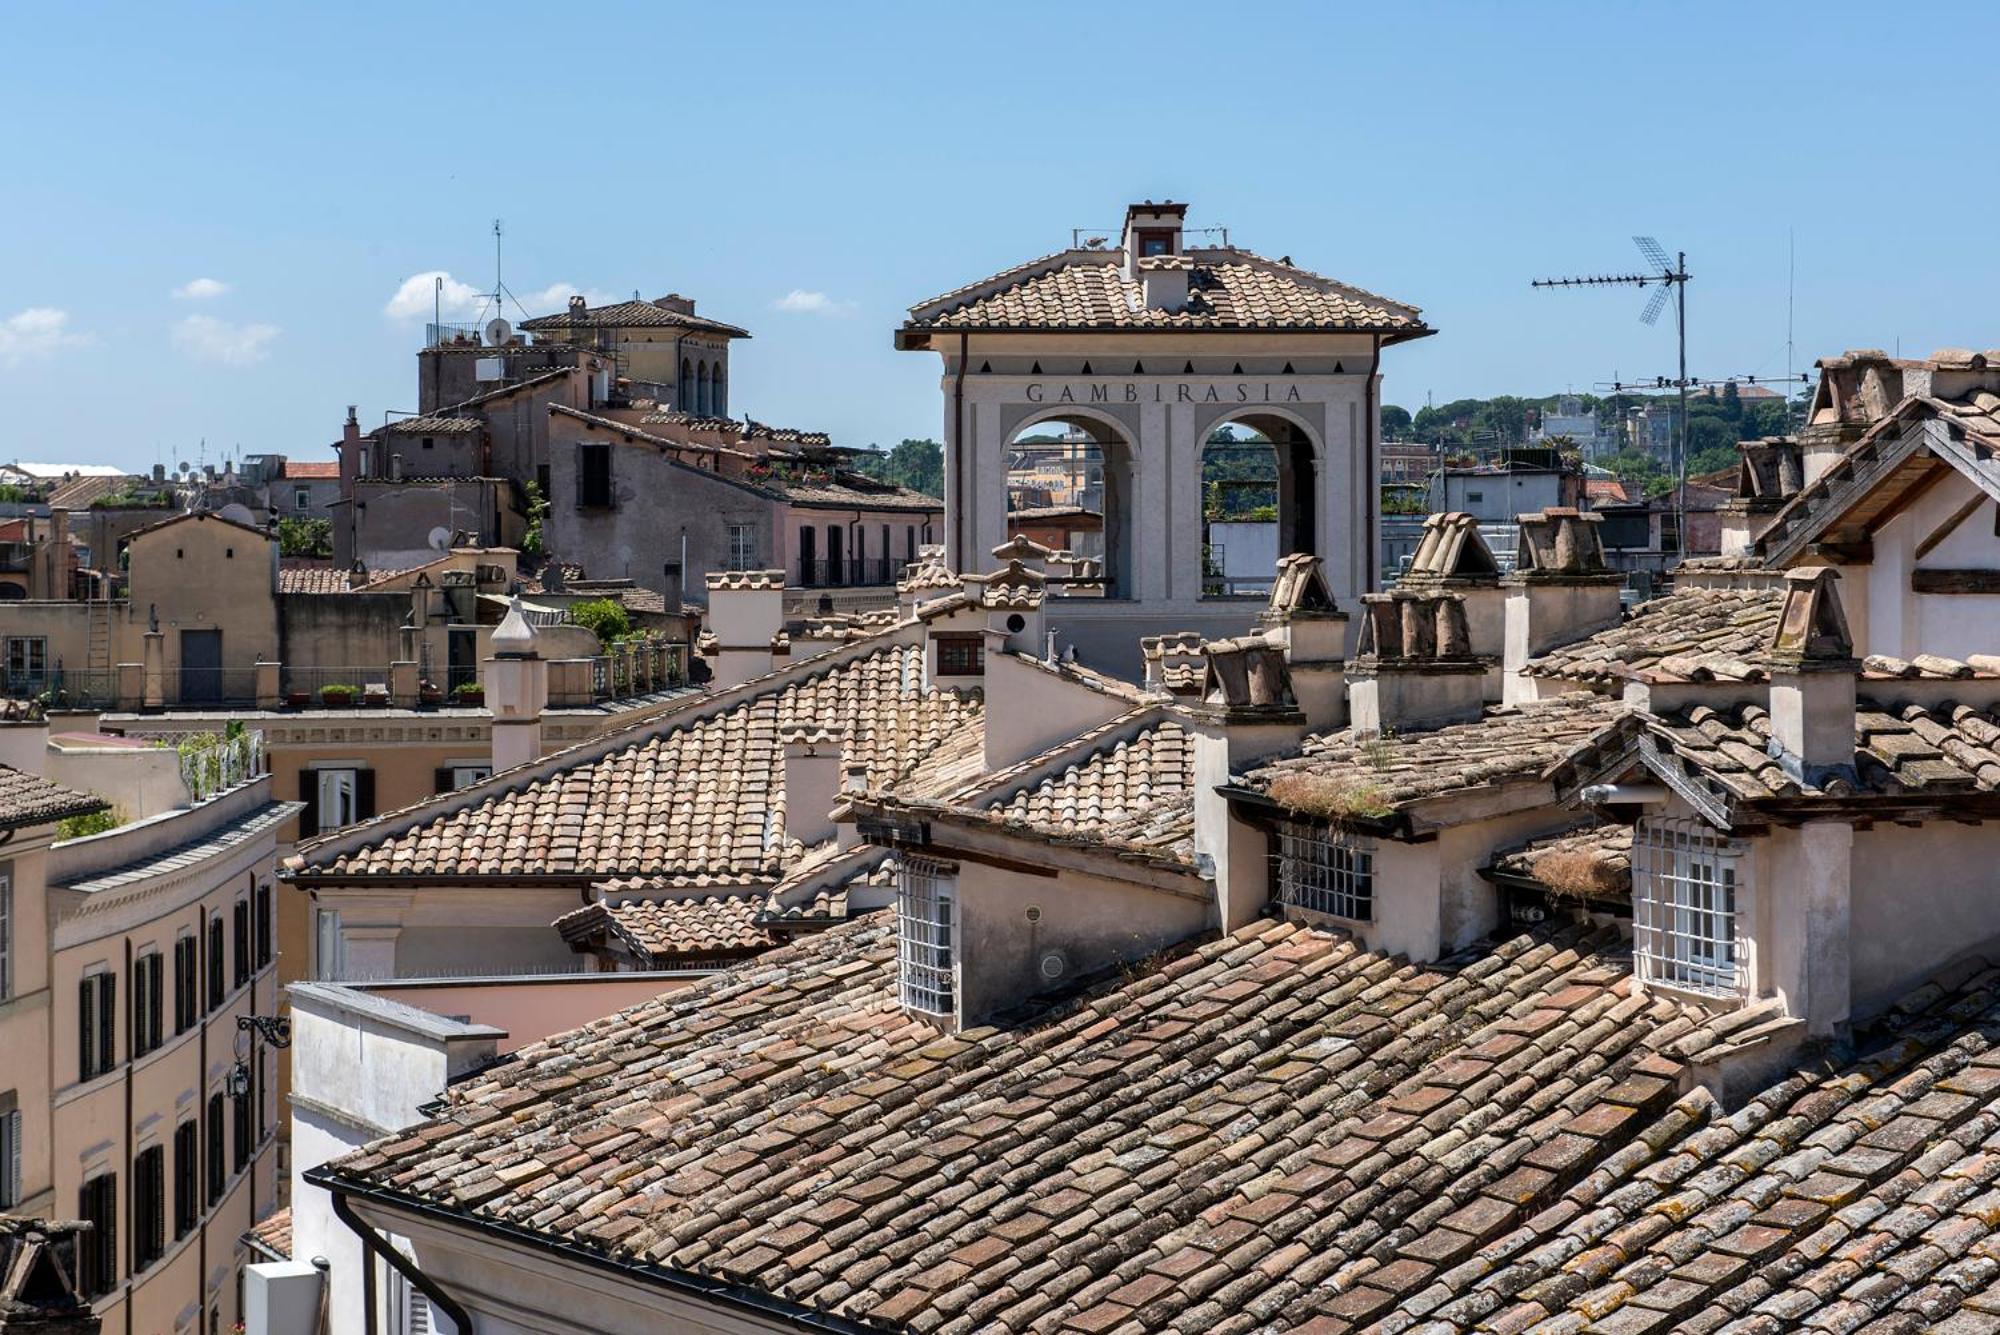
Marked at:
<point>1275,458</point>
<point>701,388</point>
<point>718,395</point>
<point>685,400</point>
<point>1094,458</point>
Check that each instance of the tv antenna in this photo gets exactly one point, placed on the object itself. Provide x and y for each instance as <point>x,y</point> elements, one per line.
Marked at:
<point>1669,279</point>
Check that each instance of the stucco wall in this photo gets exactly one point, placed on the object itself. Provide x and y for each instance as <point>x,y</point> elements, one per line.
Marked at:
<point>1902,929</point>
<point>657,503</point>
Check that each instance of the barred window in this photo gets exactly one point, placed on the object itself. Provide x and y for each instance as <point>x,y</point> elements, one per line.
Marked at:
<point>961,655</point>
<point>1687,882</point>
<point>1325,870</point>
<point>924,936</point>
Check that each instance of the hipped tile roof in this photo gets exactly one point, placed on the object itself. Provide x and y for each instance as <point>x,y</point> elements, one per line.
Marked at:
<point>1228,288</point>
<point>629,315</point>
<point>692,797</point>
<point>1692,634</point>
<point>29,799</point>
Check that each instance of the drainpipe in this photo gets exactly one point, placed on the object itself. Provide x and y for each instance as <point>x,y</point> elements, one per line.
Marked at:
<point>372,1242</point>
<point>958,452</point>
<point>1371,563</point>
<point>131,1184</point>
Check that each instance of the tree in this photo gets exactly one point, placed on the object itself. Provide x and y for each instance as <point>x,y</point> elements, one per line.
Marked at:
<point>1395,421</point>
<point>305,537</point>
<point>605,616</point>
<point>916,464</point>
<point>538,513</point>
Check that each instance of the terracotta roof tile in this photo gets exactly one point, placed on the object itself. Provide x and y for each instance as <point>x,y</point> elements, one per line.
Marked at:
<point>297,574</point>
<point>272,1235</point>
<point>1593,863</point>
<point>1692,634</point>
<point>29,799</point>
<point>628,315</point>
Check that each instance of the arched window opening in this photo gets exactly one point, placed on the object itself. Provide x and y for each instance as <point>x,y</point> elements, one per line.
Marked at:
<point>1258,504</point>
<point>1069,487</point>
<point>685,399</point>
<point>718,396</point>
<point>701,390</point>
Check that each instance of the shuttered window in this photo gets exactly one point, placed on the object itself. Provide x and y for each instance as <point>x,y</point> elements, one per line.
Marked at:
<point>240,919</point>
<point>148,1002</point>
<point>97,1025</point>
<point>187,984</point>
<point>187,1177</point>
<point>97,1246</point>
<point>149,1206</point>
<point>10,1151</point>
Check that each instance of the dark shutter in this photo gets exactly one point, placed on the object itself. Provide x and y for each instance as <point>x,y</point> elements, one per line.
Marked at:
<point>364,794</point>
<point>86,1036</point>
<point>309,794</point>
<point>107,1022</point>
<point>441,781</point>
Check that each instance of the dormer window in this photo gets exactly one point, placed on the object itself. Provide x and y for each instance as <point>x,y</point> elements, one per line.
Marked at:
<point>961,655</point>
<point>1155,243</point>
<point>1326,870</point>
<point>925,961</point>
<point>1689,888</point>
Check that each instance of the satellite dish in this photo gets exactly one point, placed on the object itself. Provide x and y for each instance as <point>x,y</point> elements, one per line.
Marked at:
<point>238,513</point>
<point>440,539</point>
<point>498,331</point>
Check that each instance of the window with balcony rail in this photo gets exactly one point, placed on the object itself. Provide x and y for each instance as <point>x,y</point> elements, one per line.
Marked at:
<point>924,936</point>
<point>1689,888</point>
<point>1326,870</point>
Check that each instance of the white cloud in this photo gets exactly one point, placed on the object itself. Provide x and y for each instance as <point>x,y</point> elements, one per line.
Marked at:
<point>201,289</point>
<point>801,302</point>
<point>35,332</point>
<point>420,296</point>
<point>208,339</point>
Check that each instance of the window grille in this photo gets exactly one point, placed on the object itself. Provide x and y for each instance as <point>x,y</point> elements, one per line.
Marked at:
<point>1688,888</point>
<point>1325,870</point>
<point>924,936</point>
<point>961,655</point>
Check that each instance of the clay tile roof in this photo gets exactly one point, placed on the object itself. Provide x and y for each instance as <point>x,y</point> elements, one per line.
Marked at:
<point>272,1236</point>
<point>1227,289</point>
<point>29,799</point>
<point>746,428</point>
<point>1337,775</point>
<point>301,470</point>
<point>746,579</point>
<point>298,574</point>
<point>686,797</point>
<point>431,424</point>
<point>1134,792</point>
<point>1692,634</point>
<point>628,315</point>
<point>1591,863</point>
<point>676,929</point>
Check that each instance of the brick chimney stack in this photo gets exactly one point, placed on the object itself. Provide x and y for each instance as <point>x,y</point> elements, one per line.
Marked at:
<point>1416,667</point>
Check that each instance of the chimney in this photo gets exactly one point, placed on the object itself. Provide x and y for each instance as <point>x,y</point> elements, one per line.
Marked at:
<point>812,784</point>
<point>1303,619</point>
<point>1452,557</point>
<point>1247,714</point>
<point>924,581</point>
<point>1813,678</point>
<point>1151,230</point>
<point>517,690</point>
<point>676,303</point>
<point>577,305</point>
<point>1560,591</point>
<point>1175,664</point>
<point>746,617</point>
<point>1001,613</point>
<point>1163,281</point>
<point>1415,668</point>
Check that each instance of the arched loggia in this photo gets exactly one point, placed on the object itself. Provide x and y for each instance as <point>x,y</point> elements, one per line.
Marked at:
<point>1259,502</point>
<point>1078,467</point>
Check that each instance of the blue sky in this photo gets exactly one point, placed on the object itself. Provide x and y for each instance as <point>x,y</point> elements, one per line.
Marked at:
<point>867,156</point>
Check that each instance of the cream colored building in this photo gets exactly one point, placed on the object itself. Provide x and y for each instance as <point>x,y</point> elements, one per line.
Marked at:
<point>1150,347</point>
<point>136,958</point>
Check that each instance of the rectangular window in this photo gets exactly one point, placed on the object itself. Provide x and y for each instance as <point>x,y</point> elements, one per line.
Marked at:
<point>218,1168</point>
<point>743,547</point>
<point>329,965</point>
<point>6,937</point>
<point>10,1151</point>
<point>149,1207</point>
<point>97,1025</point>
<point>240,938</point>
<point>302,498</point>
<point>961,655</point>
<point>1686,881</point>
<point>97,1246</point>
<point>245,1136</point>
<point>218,979</point>
<point>1325,870</point>
<point>187,1178</point>
<point>27,661</point>
<point>924,936</point>
<point>337,798</point>
<point>187,984</point>
<point>593,476</point>
<point>148,1001</point>
<point>265,950</point>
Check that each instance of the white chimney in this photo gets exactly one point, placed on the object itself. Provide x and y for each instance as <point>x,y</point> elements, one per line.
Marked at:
<point>1247,713</point>
<point>746,616</point>
<point>1560,591</point>
<point>517,690</point>
<point>1303,619</point>
<point>1415,668</point>
<point>812,784</point>
<point>1163,281</point>
<point>1813,678</point>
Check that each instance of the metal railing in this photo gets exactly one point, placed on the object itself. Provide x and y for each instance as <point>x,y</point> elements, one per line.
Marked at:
<point>315,682</point>
<point>63,688</point>
<point>635,667</point>
<point>851,572</point>
<point>212,686</point>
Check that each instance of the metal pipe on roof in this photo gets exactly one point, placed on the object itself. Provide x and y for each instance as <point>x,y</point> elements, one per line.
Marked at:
<point>371,1241</point>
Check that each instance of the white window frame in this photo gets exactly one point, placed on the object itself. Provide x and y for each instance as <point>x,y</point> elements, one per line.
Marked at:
<point>329,946</point>
<point>1690,898</point>
<point>32,651</point>
<point>337,789</point>
<point>464,776</point>
<point>742,546</point>
<point>302,498</point>
<point>1326,870</point>
<point>926,936</point>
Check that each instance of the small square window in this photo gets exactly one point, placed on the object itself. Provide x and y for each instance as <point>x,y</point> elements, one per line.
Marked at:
<point>961,655</point>
<point>1326,870</point>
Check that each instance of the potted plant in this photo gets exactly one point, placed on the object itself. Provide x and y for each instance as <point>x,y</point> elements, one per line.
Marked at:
<point>375,697</point>
<point>298,699</point>
<point>469,694</point>
<point>339,695</point>
<point>429,694</point>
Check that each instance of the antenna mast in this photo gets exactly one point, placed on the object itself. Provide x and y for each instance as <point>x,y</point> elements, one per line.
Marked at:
<point>1671,277</point>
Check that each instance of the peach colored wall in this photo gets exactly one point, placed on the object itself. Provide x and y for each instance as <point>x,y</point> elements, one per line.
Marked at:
<point>532,1009</point>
